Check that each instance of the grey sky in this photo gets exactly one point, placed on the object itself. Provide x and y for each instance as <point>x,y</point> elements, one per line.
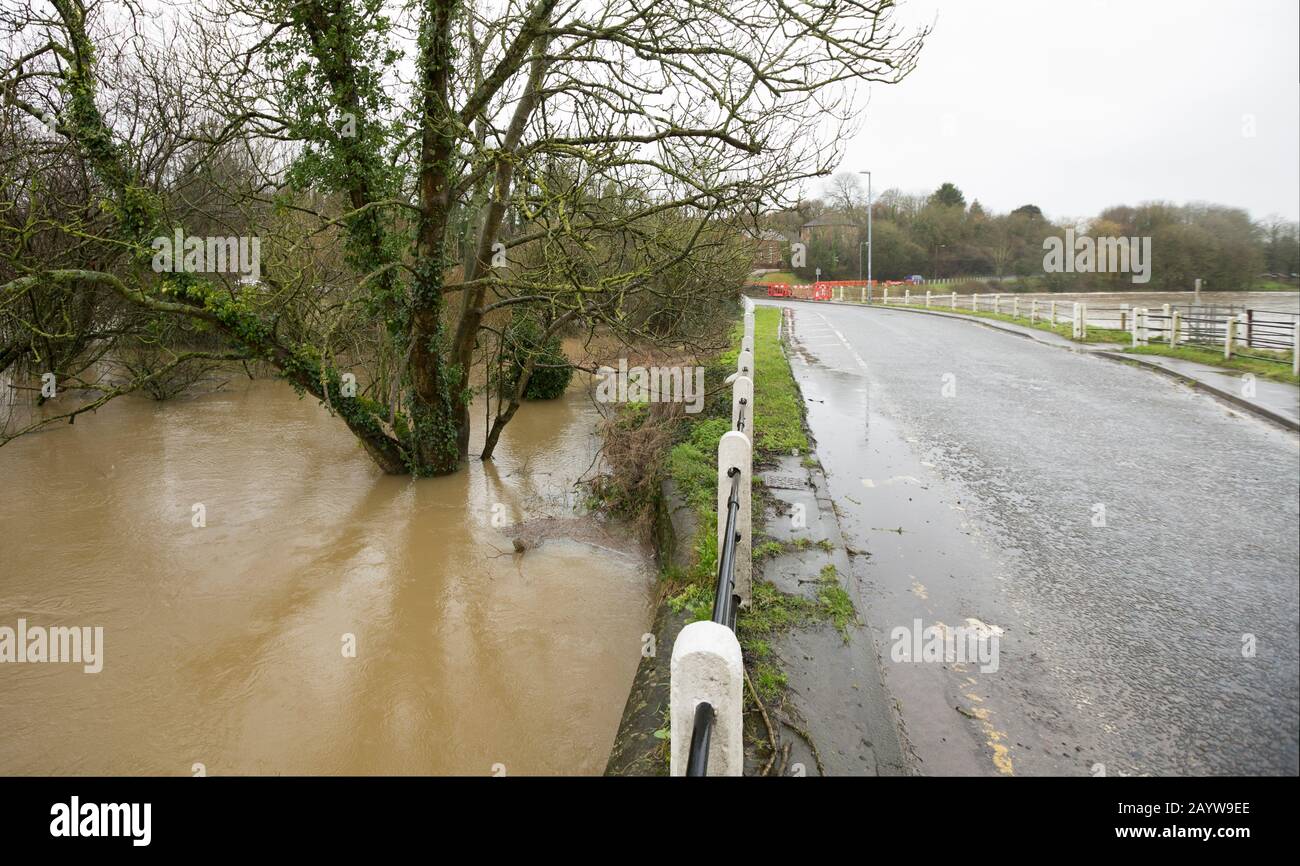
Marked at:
<point>1078,105</point>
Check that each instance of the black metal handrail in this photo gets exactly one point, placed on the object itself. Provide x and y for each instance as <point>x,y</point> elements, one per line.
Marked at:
<point>725,600</point>
<point>725,604</point>
<point>697,761</point>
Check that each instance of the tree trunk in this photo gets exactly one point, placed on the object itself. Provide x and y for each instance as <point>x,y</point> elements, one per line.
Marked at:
<point>521,387</point>
<point>436,402</point>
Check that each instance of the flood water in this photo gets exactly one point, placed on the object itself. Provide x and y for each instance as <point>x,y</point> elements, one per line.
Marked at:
<point>224,645</point>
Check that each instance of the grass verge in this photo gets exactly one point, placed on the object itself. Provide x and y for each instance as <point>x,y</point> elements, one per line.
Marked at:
<point>684,449</point>
<point>1279,370</point>
<point>692,464</point>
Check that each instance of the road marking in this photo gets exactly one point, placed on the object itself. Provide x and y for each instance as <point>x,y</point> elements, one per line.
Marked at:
<point>897,479</point>
<point>856,357</point>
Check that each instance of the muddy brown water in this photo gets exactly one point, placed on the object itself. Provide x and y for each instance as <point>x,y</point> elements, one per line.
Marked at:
<point>224,644</point>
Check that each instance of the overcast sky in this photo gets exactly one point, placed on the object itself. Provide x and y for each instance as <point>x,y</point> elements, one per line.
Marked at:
<point>1074,105</point>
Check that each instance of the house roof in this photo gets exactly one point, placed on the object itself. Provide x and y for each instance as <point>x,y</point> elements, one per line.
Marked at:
<point>767,235</point>
<point>829,219</point>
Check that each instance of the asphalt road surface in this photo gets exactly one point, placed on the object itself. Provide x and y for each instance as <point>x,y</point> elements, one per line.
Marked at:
<point>1122,549</point>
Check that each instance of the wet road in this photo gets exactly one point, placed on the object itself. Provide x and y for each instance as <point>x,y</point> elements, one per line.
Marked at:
<point>1128,546</point>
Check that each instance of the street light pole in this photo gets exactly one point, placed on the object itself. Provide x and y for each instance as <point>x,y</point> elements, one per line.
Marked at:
<point>868,174</point>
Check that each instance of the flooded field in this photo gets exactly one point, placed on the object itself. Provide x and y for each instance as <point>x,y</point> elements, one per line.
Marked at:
<point>228,644</point>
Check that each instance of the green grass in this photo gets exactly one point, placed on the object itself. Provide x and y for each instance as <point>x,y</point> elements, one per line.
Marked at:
<point>786,277</point>
<point>1274,286</point>
<point>835,602</point>
<point>696,600</point>
<point>778,405</point>
<point>771,612</point>
<point>1278,370</point>
<point>692,464</point>
<point>769,681</point>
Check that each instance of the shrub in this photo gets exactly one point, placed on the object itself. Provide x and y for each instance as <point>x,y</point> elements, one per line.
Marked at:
<point>551,369</point>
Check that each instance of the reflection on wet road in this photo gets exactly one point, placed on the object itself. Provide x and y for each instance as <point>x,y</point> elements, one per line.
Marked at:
<point>1134,542</point>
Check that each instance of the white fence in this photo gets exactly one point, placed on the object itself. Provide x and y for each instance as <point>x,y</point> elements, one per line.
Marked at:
<point>707,673</point>
<point>1236,330</point>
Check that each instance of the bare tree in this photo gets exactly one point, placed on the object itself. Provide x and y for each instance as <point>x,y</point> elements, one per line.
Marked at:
<point>571,161</point>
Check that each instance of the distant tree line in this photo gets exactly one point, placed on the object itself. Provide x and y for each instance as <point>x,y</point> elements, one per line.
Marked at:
<point>940,236</point>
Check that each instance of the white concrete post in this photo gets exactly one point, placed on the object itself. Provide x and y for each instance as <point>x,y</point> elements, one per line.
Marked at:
<point>1083,321</point>
<point>1173,328</point>
<point>997,303</point>
<point>1123,318</point>
<point>745,363</point>
<point>927,299</point>
<point>974,302</point>
<point>707,667</point>
<point>1015,308</point>
<point>1074,322</point>
<point>907,296</point>
<point>1033,310</point>
<point>742,389</point>
<point>862,299</point>
<point>1053,312</point>
<point>1133,327</point>
<point>954,300</point>
<point>1295,349</point>
<point>885,298</point>
<point>734,449</point>
<point>1229,327</point>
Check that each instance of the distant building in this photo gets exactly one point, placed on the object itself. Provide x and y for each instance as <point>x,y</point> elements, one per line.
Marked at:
<point>829,228</point>
<point>769,248</point>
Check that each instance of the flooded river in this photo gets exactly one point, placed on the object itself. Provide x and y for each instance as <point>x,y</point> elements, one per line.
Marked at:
<point>226,645</point>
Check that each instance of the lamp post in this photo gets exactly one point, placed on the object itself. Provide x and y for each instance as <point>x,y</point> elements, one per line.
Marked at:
<point>868,174</point>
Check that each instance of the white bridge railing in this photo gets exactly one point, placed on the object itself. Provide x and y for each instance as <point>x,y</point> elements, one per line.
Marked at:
<point>707,672</point>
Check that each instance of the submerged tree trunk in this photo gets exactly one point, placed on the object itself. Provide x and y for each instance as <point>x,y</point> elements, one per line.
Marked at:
<point>521,388</point>
<point>437,381</point>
